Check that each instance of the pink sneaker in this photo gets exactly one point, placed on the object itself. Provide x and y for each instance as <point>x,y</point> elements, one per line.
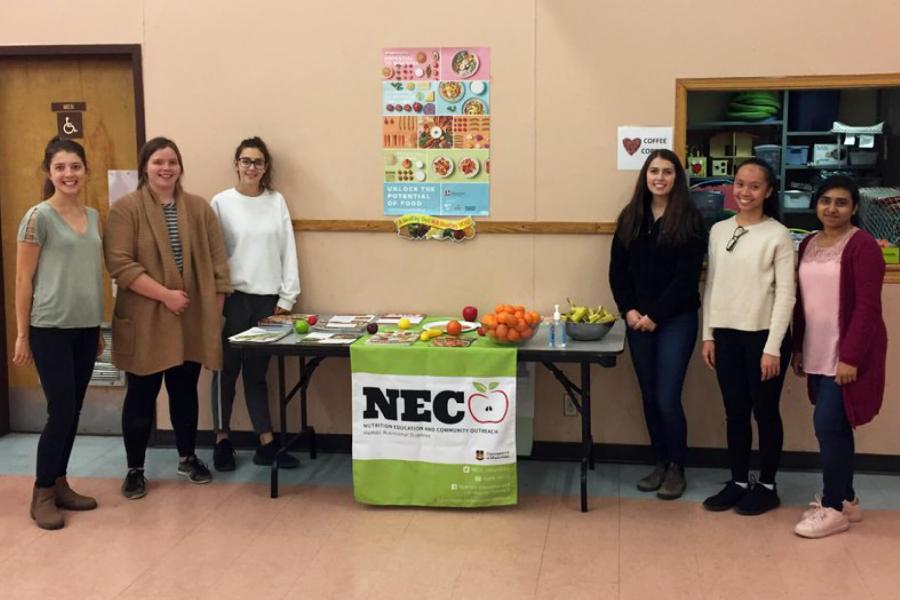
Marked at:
<point>853,510</point>
<point>823,521</point>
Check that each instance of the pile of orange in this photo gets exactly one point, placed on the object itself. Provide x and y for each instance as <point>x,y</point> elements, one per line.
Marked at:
<point>510,323</point>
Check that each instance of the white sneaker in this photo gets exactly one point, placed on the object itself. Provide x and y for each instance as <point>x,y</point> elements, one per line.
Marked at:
<point>822,522</point>
<point>853,510</point>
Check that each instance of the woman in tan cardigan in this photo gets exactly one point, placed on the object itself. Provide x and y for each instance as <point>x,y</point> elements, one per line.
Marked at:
<point>164,249</point>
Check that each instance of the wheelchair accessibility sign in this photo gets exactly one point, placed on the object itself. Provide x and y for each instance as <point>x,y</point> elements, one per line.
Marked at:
<point>70,125</point>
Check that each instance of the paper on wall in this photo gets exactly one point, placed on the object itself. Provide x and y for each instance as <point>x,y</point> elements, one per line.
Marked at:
<point>634,143</point>
<point>121,182</point>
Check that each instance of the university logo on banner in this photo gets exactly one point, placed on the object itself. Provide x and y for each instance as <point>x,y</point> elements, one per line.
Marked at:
<point>434,440</point>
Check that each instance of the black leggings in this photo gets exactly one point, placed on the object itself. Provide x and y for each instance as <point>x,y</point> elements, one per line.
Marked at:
<point>65,361</point>
<point>738,354</point>
<point>140,406</point>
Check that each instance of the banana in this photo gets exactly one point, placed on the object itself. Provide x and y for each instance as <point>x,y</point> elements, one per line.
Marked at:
<point>586,314</point>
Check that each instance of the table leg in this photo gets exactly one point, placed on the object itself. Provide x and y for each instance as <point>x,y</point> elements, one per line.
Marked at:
<point>282,415</point>
<point>587,441</point>
<point>304,427</point>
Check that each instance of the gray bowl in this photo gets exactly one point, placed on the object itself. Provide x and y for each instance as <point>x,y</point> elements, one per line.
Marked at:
<point>587,332</point>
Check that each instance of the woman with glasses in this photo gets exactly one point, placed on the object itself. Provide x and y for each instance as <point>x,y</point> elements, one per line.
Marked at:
<point>840,345</point>
<point>747,308</point>
<point>164,249</point>
<point>59,306</point>
<point>654,273</point>
<point>262,259</point>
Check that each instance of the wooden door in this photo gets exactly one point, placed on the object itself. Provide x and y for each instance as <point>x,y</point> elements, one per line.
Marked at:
<point>29,85</point>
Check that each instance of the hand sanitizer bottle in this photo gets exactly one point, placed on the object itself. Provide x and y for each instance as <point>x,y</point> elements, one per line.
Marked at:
<point>558,329</point>
<point>551,335</point>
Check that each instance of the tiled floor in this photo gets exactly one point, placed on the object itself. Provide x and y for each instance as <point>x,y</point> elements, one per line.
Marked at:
<point>230,540</point>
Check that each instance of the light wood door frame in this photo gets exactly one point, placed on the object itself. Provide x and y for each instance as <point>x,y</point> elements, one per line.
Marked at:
<point>133,52</point>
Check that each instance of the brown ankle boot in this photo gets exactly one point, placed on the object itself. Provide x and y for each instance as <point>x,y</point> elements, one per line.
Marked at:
<point>69,499</point>
<point>43,509</point>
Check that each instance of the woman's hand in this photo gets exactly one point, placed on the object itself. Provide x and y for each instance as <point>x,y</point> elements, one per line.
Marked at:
<point>709,354</point>
<point>176,301</point>
<point>22,355</point>
<point>845,373</point>
<point>632,318</point>
<point>646,324</point>
<point>769,366</point>
<point>282,311</point>
<point>101,344</point>
<point>797,364</point>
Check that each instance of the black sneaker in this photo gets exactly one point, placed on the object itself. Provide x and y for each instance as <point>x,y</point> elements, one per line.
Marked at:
<point>223,456</point>
<point>195,470</point>
<point>135,484</point>
<point>758,500</point>
<point>265,456</point>
<point>730,495</point>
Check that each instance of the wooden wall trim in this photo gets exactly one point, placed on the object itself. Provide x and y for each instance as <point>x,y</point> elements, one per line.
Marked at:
<point>526,227</point>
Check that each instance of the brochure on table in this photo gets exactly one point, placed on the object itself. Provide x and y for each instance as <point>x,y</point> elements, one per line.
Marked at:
<point>436,130</point>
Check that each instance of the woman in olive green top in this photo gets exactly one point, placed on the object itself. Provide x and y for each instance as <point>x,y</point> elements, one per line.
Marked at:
<point>59,306</point>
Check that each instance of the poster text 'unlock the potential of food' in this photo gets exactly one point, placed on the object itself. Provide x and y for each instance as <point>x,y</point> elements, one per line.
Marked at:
<point>436,128</point>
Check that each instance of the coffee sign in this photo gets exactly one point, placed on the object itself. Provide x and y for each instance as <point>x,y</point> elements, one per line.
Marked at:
<point>634,143</point>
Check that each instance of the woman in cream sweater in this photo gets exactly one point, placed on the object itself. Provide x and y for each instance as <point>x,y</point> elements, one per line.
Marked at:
<point>747,308</point>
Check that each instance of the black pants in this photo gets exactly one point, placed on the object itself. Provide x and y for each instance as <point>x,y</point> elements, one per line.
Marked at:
<point>65,360</point>
<point>660,361</point>
<point>738,354</point>
<point>140,406</point>
<point>242,311</point>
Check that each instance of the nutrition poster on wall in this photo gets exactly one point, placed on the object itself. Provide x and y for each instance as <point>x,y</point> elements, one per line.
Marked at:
<point>436,130</point>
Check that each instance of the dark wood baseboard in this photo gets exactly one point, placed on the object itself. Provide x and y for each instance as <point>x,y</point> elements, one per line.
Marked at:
<point>571,451</point>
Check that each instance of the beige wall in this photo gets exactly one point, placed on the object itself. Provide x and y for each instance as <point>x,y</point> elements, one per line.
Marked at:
<point>304,75</point>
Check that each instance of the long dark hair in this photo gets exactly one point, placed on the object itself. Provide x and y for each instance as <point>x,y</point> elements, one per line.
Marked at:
<point>681,221</point>
<point>157,143</point>
<point>53,146</point>
<point>839,182</point>
<point>770,203</point>
<point>256,142</point>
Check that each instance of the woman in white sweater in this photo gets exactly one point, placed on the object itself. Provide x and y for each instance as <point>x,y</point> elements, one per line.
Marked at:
<point>262,259</point>
<point>747,307</point>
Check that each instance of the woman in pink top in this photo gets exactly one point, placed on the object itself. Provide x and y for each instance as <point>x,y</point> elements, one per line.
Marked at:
<point>840,344</point>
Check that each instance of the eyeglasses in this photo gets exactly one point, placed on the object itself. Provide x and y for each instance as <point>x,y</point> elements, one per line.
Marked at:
<point>245,162</point>
<point>738,232</point>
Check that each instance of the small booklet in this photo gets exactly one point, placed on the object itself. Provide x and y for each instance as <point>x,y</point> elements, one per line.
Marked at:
<point>347,323</point>
<point>394,337</point>
<point>322,337</point>
<point>283,319</point>
<point>259,335</point>
<point>394,318</point>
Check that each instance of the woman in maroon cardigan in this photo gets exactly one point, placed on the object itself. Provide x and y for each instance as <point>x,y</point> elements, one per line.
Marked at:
<point>841,273</point>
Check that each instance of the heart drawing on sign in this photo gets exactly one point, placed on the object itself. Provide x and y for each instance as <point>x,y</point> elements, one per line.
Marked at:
<point>631,145</point>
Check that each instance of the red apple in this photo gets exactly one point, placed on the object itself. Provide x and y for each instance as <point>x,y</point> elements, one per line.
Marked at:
<point>481,331</point>
<point>488,409</point>
<point>372,328</point>
<point>469,313</point>
<point>312,319</point>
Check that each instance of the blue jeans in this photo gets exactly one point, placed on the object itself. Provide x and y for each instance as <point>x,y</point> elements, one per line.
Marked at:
<point>836,446</point>
<point>660,362</point>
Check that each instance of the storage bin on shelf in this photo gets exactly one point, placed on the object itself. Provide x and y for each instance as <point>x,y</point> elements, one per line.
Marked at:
<point>879,212</point>
<point>864,158</point>
<point>796,199</point>
<point>771,153</point>
<point>796,155</point>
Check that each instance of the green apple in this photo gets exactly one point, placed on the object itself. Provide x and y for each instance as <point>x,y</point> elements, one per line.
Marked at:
<point>301,326</point>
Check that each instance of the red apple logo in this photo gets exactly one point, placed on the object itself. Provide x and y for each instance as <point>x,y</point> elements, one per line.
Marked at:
<point>488,405</point>
<point>469,313</point>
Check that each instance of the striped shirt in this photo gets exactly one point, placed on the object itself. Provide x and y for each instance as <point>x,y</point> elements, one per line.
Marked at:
<point>171,213</point>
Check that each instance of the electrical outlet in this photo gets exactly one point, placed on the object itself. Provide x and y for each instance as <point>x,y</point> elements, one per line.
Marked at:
<point>569,409</point>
